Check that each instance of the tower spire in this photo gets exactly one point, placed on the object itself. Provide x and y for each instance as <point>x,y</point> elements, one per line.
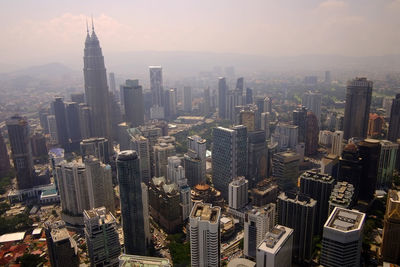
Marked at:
<point>92,24</point>
<point>87,26</point>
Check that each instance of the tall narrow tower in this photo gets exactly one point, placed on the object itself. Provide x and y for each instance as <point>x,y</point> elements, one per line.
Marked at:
<point>96,88</point>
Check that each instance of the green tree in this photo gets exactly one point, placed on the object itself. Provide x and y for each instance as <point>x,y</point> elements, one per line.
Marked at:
<point>30,260</point>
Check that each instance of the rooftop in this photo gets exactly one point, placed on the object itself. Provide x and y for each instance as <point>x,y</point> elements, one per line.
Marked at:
<point>142,261</point>
<point>345,220</point>
<point>313,175</point>
<point>12,237</point>
<point>206,212</point>
<point>275,238</point>
<point>59,234</point>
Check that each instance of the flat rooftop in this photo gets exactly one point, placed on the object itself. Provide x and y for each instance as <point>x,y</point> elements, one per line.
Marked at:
<point>12,237</point>
<point>345,220</point>
<point>313,175</point>
<point>59,234</point>
<point>275,239</point>
<point>206,212</point>
<point>142,261</point>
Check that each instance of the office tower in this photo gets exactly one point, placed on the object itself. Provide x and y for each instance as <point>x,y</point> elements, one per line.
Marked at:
<point>386,164</point>
<point>265,124</point>
<point>257,168</point>
<point>134,203</point>
<point>39,148</point>
<point>204,235</point>
<point>4,159</point>
<point>43,113</point>
<point>222,96</point>
<point>248,119</point>
<point>267,104</point>
<point>62,248</point>
<point>375,125</point>
<point>21,150</point>
<point>264,192</point>
<point>330,165</point>
<point>387,106</point>
<point>328,78</point>
<point>249,96</point>
<point>238,193</point>
<point>240,85</point>
<point>51,121</point>
<point>99,182</point>
<point>300,120</point>
<point>186,201</point>
<point>157,92</point>
<point>259,102</point>
<point>152,133</point>
<point>133,103</point>
<point>97,147</point>
<point>187,99</point>
<point>312,101</point>
<point>78,98</point>
<point>74,193</point>
<point>102,239</point>
<point>297,211</point>
<point>96,88</point>
<point>325,138</point>
<point>73,125</point>
<point>257,222</point>
<point>233,99</point>
<point>342,196</point>
<point>171,98</point>
<point>394,122</point>
<point>198,146</point>
<point>165,204</point>
<point>229,157</point>
<point>85,121</point>
<point>369,153</point>
<point>135,260</point>
<point>285,168</point>
<point>391,229</point>
<point>161,153</point>
<point>356,113</point>
<point>193,169</point>
<point>342,238</point>
<point>311,80</point>
<point>116,113</point>
<point>207,101</point>
<point>111,80</point>
<point>286,135</point>
<point>140,144</point>
<point>319,187</point>
<point>61,122</point>
<point>276,248</point>
<point>312,131</point>
<point>175,171</point>
<point>350,167</point>
<point>337,143</point>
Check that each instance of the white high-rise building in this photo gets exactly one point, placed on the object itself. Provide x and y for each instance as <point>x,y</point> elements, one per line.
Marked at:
<point>312,101</point>
<point>157,92</point>
<point>99,184</point>
<point>286,135</point>
<point>204,230</point>
<point>51,121</point>
<point>238,193</point>
<point>175,171</point>
<point>337,143</point>
<point>257,223</point>
<point>276,248</point>
<point>102,237</point>
<point>342,238</point>
<point>265,120</point>
<point>140,144</point>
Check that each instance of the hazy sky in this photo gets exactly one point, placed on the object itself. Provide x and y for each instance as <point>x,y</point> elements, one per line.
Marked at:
<point>41,31</point>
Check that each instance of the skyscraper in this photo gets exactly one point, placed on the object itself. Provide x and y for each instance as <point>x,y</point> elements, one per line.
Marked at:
<point>101,237</point>
<point>99,183</point>
<point>350,167</point>
<point>394,123</point>
<point>222,95</point>
<point>297,211</point>
<point>342,238</point>
<point>356,113</point>
<point>387,163</point>
<point>257,222</point>
<point>342,196</point>
<point>157,92</point>
<point>96,88</point>
<point>187,99</point>
<point>238,193</point>
<point>207,101</point>
<point>140,144</point>
<point>4,159</point>
<point>111,80</point>
<point>133,103</point>
<point>161,153</point>
<point>233,99</point>
<point>85,121</point>
<point>21,150</point>
<point>171,98</point>
<point>62,248</point>
<point>319,187</point>
<point>276,248</point>
<point>240,85</point>
<point>74,129</point>
<point>312,101</point>
<point>285,168</point>
<point>249,96</point>
<point>337,143</point>
<point>312,131</point>
<point>229,157</point>
<point>391,228</point>
<point>61,122</point>
<point>175,171</point>
<point>205,237</point>
<point>78,98</point>
<point>300,120</point>
<point>257,167</point>
<point>369,153</point>
<point>134,203</point>
<point>97,147</point>
<point>286,135</point>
